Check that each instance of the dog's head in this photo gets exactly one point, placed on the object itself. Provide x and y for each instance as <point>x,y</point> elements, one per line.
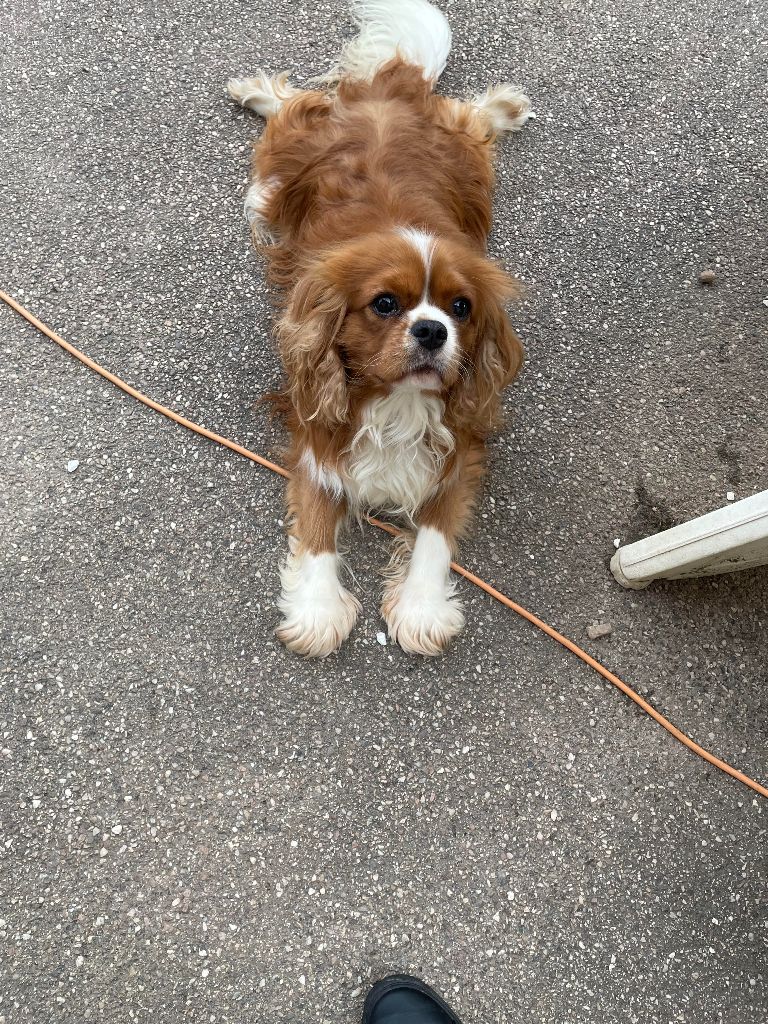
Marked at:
<point>400,309</point>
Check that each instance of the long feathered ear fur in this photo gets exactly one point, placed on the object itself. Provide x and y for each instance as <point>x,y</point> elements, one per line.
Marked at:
<point>497,358</point>
<point>306,335</point>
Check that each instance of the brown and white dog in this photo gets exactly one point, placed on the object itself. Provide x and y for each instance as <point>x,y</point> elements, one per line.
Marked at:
<point>373,201</point>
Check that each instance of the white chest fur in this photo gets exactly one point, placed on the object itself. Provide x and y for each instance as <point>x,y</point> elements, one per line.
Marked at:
<point>395,459</point>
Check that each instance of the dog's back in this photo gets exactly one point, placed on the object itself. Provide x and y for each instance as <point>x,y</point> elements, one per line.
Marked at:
<point>388,144</point>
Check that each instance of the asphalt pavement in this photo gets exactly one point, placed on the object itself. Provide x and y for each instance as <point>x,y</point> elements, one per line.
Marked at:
<point>198,826</point>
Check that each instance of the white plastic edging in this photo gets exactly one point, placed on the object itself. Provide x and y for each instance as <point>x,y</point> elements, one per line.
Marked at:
<point>727,540</point>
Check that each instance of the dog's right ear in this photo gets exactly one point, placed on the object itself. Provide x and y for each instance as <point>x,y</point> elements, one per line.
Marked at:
<point>306,335</point>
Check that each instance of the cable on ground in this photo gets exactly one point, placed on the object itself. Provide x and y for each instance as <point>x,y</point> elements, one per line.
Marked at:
<point>478,582</point>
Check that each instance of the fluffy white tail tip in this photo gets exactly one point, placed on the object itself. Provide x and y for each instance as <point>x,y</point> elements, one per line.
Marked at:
<point>413,29</point>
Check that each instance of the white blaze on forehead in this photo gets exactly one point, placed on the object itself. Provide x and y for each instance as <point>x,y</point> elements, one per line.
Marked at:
<point>424,244</point>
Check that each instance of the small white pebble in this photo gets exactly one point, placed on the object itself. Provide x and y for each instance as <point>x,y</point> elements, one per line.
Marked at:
<point>116,830</point>
<point>617,542</point>
<point>553,815</point>
<point>382,639</point>
<point>598,630</point>
<point>730,496</point>
<point>72,465</point>
<point>302,980</point>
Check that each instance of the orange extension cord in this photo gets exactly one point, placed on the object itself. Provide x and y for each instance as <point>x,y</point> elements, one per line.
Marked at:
<point>569,644</point>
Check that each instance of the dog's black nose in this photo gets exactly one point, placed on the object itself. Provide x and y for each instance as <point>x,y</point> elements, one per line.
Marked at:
<point>430,334</point>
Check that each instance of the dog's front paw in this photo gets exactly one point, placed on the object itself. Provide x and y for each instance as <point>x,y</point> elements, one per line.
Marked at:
<point>423,617</point>
<point>319,612</point>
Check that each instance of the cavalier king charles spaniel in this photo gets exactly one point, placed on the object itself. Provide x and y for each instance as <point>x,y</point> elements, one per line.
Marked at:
<point>372,200</point>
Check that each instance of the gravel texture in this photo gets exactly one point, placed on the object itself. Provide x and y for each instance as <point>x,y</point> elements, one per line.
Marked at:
<point>196,825</point>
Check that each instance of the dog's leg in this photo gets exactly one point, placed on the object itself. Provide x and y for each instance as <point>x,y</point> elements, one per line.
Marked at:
<point>262,93</point>
<point>257,200</point>
<point>420,604</point>
<point>505,107</point>
<point>318,611</point>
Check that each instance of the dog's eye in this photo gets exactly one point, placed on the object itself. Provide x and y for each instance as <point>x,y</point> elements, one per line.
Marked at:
<point>461,308</point>
<point>385,305</point>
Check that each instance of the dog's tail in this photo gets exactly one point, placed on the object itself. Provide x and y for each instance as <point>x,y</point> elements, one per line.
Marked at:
<point>412,29</point>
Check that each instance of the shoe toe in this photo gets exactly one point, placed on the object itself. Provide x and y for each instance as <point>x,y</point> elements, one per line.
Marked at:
<point>404,1006</point>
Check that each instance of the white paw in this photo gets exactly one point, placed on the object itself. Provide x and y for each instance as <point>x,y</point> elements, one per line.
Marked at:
<point>419,605</point>
<point>257,200</point>
<point>422,617</point>
<point>507,108</point>
<point>263,93</point>
<point>319,612</point>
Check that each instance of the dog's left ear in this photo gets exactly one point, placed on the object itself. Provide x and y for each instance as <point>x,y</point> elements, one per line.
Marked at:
<point>306,336</point>
<point>497,358</point>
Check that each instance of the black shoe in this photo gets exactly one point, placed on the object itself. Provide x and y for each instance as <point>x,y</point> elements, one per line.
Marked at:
<point>401,999</point>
